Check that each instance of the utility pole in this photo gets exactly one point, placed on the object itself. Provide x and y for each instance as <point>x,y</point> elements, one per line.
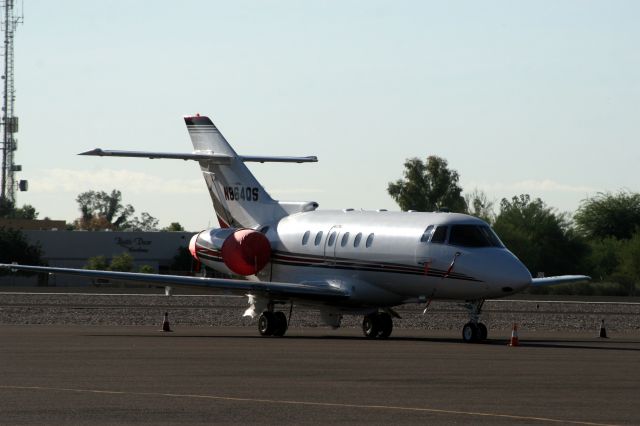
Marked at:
<point>9,124</point>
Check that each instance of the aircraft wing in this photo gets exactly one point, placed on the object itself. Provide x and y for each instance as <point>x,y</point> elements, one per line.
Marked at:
<point>315,291</point>
<point>562,279</point>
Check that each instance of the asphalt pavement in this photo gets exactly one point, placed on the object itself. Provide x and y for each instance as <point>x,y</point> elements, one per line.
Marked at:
<point>228,375</point>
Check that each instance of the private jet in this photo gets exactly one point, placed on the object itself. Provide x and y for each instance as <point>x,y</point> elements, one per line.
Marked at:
<point>339,262</point>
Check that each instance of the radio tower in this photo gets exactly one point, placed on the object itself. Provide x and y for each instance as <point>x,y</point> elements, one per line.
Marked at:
<point>9,122</point>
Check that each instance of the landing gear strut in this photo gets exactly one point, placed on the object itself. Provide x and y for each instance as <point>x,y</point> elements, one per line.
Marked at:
<point>378,325</point>
<point>474,330</point>
<point>272,323</point>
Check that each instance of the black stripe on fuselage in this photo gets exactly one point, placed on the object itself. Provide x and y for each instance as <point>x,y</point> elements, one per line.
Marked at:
<point>290,259</point>
<point>346,264</point>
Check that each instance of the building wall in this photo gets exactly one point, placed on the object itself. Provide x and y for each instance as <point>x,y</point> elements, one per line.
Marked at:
<point>71,249</point>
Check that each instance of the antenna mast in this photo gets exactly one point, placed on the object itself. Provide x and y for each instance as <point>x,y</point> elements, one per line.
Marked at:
<point>9,122</point>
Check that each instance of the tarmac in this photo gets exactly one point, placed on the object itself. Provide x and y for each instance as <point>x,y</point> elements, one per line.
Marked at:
<point>229,375</point>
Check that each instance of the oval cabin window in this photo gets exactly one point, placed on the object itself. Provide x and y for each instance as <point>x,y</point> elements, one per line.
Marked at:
<point>369,240</point>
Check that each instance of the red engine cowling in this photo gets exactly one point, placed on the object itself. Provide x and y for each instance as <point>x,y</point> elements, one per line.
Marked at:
<point>246,251</point>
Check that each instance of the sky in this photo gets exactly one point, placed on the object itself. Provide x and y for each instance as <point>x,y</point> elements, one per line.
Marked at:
<point>539,97</point>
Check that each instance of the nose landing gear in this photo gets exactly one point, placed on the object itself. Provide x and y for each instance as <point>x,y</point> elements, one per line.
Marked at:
<point>474,330</point>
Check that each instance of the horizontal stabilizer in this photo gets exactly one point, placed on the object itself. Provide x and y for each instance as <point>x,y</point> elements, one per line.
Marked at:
<point>562,279</point>
<point>262,159</point>
<point>198,156</point>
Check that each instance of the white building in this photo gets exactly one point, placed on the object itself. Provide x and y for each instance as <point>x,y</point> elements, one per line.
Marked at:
<point>72,249</point>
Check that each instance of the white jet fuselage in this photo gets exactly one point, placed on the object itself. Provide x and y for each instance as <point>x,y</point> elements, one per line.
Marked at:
<point>387,258</point>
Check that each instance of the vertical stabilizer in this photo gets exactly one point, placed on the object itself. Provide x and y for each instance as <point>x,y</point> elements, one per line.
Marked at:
<point>239,199</point>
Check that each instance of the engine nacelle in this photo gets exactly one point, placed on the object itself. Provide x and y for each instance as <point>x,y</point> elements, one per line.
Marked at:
<point>243,251</point>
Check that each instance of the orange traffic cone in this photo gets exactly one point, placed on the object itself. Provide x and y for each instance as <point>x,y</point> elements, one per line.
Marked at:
<point>514,336</point>
<point>165,323</point>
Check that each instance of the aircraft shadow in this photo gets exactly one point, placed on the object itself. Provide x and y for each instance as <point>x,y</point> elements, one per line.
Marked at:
<point>599,345</point>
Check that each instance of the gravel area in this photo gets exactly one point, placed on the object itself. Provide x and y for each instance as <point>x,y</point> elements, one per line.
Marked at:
<point>147,306</point>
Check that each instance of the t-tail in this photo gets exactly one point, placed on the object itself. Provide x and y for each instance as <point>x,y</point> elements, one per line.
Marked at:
<point>239,200</point>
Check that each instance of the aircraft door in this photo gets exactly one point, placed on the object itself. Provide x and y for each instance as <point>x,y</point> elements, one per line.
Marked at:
<point>423,255</point>
<point>330,244</point>
<point>433,252</point>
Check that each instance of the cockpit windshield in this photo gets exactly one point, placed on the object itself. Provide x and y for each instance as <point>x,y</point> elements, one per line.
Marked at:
<point>473,236</point>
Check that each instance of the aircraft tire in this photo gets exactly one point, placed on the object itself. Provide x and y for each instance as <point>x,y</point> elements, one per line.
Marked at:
<point>386,325</point>
<point>280,324</point>
<point>267,323</point>
<point>470,333</point>
<point>371,326</point>
<point>482,332</point>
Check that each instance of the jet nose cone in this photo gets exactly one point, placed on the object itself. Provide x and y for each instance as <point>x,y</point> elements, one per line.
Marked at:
<point>515,276</point>
<point>504,273</point>
<point>519,279</point>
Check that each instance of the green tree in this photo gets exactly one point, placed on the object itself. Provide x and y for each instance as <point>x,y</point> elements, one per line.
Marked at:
<point>541,238</point>
<point>604,257</point>
<point>100,210</point>
<point>478,205</point>
<point>174,227</point>
<point>97,263</point>
<point>428,186</point>
<point>14,247</point>
<point>146,269</point>
<point>630,262</point>
<point>9,210</point>
<point>122,263</point>
<point>609,215</point>
<point>145,222</point>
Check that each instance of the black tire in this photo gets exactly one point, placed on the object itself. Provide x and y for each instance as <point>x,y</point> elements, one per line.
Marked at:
<point>482,332</point>
<point>280,324</point>
<point>371,326</point>
<point>267,323</point>
<point>470,333</point>
<point>386,325</point>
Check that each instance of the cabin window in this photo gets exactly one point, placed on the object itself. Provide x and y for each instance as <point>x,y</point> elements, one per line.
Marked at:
<point>332,239</point>
<point>473,236</point>
<point>439,235</point>
<point>426,234</point>
<point>369,241</point>
<point>357,239</point>
<point>305,238</point>
<point>318,238</point>
<point>345,239</point>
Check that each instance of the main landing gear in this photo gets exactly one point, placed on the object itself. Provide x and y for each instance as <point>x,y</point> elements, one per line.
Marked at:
<point>273,323</point>
<point>377,325</point>
<point>474,330</point>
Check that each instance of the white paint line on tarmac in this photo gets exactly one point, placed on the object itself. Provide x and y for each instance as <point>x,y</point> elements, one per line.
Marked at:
<point>309,403</point>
